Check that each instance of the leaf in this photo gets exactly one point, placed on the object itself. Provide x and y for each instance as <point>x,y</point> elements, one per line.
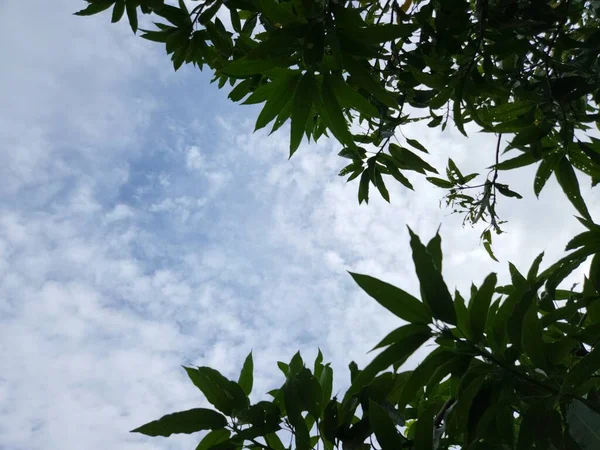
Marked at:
<point>487,244</point>
<point>400,333</point>
<point>585,368</point>
<point>95,8</point>
<point>440,182</point>
<point>479,306</point>
<point>276,101</point>
<point>118,11</point>
<point>410,160</point>
<point>584,425</point>
<point>416,144</point>
<point>352,98</point>
<point>565,175</point>
<point>186,422</point>
<point>363,188</point>
<point>544,171</point>
<point>131,8</point>
<point>364,79</point>
<point>245,66</point>
<point>213,438</point>
<point>394,299</point>
<point>246,379</point>
<point>338,124</point>
<point>434,247</point>
<point>531,337</point>
<point>434,290</point>
<point>457,115</point>
<point>380,185</point>
<point>507,111</point>
<point>422,374</point>
<point>276,13</point>
<point>503,189</point>
<point>395,354</point>
<point>535,267</point>
<point>385,430</point>
<point>225,395</point>
<point>303,102</point>
<point>424,429</point>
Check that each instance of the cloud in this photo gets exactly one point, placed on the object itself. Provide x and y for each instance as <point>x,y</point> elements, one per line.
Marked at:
<point>144,226</point>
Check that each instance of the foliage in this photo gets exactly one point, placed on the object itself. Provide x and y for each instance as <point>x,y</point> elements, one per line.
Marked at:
<point>515,366</point>
<point>359,70</point>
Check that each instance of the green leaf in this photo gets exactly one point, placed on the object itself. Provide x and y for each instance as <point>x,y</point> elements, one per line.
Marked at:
<point>118,11</point>
<point>544,171</point>
<point>349,97</point>
<point>507,111</point>
<point>95,8</point>
<point>434,247</point>
<point>504,190</point>
<point>385,430</point>
<point>379,34</point>
<point>439,182</point>
<point>187,422</point>
<point>363,188</point>
<point>338,124</point>
<point>585,368</point>
<point>434,290</point>
<point>303,102</point>
<point>277,100</point>
<point>400,333</point>
<point>380,185</point>
<point>424,429</point>
<point>531,337</point>
<point>131,8</point>
<point>394,299</point>
<point>395,354</point>
<point>276,13</point>
<point>416,144</point>
<point>246,379</point>
<point>457,116</point>
<point>364,79</point>
<point>213,438</point>
<point>245,66</point>
<point>567,179</point>
<point>584,425</point>
<point>391,167</point>
<point>535,267</point>
<point>225,395</point>
<point>410,160</point>
<point>479,306</point>
<point>422,374</point>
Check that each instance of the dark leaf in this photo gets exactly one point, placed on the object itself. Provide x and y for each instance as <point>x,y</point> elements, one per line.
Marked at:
<point>434,290</point>
<point>385,430</point>
<point>568,182</point>
<point>394,299</point>
<point>183,422</point>
<point>213,438</point>
<point>303,102</point>
<point>479,305</point>
<point>246,379</point>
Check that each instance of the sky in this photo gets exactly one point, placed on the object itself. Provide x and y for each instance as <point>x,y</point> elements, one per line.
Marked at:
<point>144,226</point>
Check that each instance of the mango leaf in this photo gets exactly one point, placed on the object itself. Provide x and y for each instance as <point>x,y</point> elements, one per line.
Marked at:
<point>544,171</point>
<point>400,333</point>
<point>246,379</point>
<point>363,188</point>
<point>303,102</point>
<point>565,175</point>
<point>535,267</point>
<point>504,190</point>
<point>507,111</point>
<point>385,430</point>
<point>584,425</point>
<point>394,299</point>
<point>434,290</point>
<point>349,97</point>
<point>434,247</point>
<point>423,439</point>
<point>338,124</point>
<point>479,305</point>
<point>244,66</point>
<point>416,144</point>
<point>585,368</point>
<point>439,182</point>
<point>213,438</point>
<point>364,79</point>
<point>225,395</point>
<point>118,11</point>
<point>277,100</point>
<point>531,338</point>
<point>95,8</point>
<point>275,12</point>
<point>186,422</point>
<point>395,354</point>
<point>131,8</point>
<point>410,159</point>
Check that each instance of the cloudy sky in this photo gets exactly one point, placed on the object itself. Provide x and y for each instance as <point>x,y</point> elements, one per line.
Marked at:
<point>144,226</point>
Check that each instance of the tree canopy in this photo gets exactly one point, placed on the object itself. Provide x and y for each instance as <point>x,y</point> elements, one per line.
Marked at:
<point>514,366</point>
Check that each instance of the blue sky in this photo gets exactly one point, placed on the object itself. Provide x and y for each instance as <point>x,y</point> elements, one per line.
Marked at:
<point>144,226</point>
